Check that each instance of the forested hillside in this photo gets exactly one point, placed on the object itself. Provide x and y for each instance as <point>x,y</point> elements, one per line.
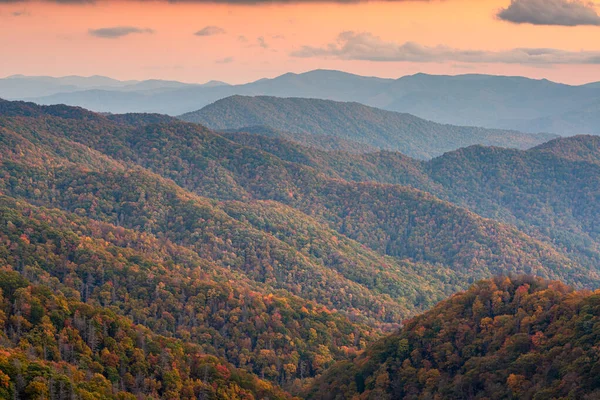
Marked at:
<point>392,220</point>
<point>504,338</point>
<point>550,191</point>
<point>264,261</point>
<point>320,142</point>
<point>385,130</point>
<point>54,345</point>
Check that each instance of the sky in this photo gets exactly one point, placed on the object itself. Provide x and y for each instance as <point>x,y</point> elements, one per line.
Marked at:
<point>239,41</point>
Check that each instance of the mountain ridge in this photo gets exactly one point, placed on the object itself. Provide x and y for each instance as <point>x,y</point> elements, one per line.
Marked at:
<point>386,130</point>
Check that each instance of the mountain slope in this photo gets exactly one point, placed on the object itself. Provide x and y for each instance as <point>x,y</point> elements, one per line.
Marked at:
<point>70,318</point>
<point>174,291</point>
<point>69,349</point>
<point>410,135</point>
<point>320,142</point>
<point>577,148</point>
<point>398,219</point>
<point>548,191</point>
<point>503,338</point>
<point>537,190</point>
<point>490,101</point>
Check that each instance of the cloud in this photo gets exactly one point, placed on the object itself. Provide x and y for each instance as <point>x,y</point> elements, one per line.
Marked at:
<point>365,46</point>
<point>550,12</point>
<point>226,60</point>
<point>21,13</point>
<point>117,31</point>
<point>49,1</point>
<point>242,39</point>
<point>262,42</point>
<point>210,31</point>
<point>241,2</point>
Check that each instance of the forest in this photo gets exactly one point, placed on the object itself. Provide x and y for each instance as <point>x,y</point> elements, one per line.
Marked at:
<point>504,338</point>
<point>146,257</point>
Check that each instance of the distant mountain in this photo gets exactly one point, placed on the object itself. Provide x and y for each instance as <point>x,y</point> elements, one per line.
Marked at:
<point>156,85</point>
<point>21,86</point>
<point>490,101</point>
<point>73,80</point>
<point>149,85</point>
<point>506,338</point>
<point>215,84</point>
<point>387,130</point>
<point>583,120</point>
<point>593,85</point>
<point>470,100</point>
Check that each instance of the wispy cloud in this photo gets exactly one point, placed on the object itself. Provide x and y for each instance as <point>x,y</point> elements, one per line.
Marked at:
<point>210,31</point>
<point>550,12</point>
<point>262,42</point>
<point>117,31</point>
<point>242,2</point>
<point>366,46</point>
<point>226,60</point>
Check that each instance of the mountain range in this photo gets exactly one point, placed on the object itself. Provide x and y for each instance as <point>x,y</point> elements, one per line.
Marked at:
<point>500,102</point>
<point>145,256</point>
<point>21,86</point>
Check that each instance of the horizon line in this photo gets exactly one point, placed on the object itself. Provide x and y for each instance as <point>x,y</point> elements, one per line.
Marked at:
<point>134,81</point>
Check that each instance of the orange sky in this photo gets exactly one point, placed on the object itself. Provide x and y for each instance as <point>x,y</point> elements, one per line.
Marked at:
<point>53,39</point>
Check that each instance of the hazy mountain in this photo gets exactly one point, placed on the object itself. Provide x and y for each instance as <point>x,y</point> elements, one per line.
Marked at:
<point>491,101</point>
<point>157,85</point>
<point>584,120</point>
<point>474,100</point>
<point>21,86</point>
<point>353,121</point>
<point>593,85</point>
<point>73,80</point>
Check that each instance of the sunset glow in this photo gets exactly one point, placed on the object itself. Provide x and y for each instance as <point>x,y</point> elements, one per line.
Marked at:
<point>259,40</point>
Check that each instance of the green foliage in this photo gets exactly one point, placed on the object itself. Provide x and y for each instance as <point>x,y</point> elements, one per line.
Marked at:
<point>174,292</point>
<point>549,192</point>
<point>55,346</point>
<point>267,258</point>
<point>504,338</point>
